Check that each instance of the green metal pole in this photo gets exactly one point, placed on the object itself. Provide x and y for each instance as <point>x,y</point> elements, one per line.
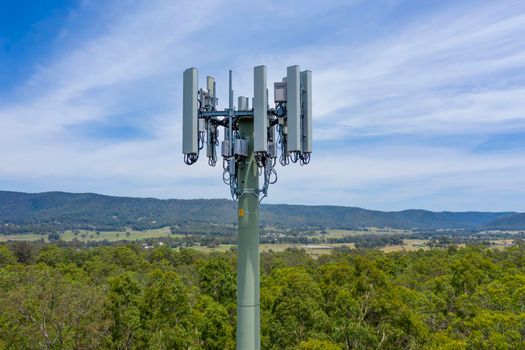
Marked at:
<point>248,296</point>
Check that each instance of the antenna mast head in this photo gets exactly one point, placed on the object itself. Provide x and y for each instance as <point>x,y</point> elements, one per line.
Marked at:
<point>286,127</point>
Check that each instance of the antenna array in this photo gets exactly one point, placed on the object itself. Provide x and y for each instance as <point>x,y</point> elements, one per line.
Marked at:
<point>282,132</point>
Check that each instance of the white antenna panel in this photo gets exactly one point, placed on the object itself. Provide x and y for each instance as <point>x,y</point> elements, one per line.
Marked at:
<point>293,108</point>
<point>260,109</point>
<point>190,112</point>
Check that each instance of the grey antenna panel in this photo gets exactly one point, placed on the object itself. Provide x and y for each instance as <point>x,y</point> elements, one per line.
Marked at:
<point>242,103</point>
<point>272,148</point>
<point>293,108</point>
<point>306,102</point>
<point>210,139</point>
<point>260,109</point>
<point>190,112</point>
<point>279,92</point>
<point>210,86</point>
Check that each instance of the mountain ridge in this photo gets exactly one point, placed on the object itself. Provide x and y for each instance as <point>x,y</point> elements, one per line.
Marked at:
<point>57,210</point>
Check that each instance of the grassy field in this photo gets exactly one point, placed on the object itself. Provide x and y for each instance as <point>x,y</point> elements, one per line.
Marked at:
<point>408,245</point>
<point>220,248</point>
<point>371,230</point>
<point>316,250</point>
<point>280,247</point>
<point>24,237</point>
<point>85,236</point>
<point>117,236</point>
<point>501,243</point>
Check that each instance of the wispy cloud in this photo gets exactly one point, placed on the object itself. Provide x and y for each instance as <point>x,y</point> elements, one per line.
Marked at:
<point>461,70</point>
<point>454,72</point>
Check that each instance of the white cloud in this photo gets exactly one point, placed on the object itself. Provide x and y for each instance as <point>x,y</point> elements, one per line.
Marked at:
<point>456,72</point>
<point>395,178</point>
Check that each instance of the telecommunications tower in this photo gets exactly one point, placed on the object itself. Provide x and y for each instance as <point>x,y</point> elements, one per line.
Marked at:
<point>254,140</point>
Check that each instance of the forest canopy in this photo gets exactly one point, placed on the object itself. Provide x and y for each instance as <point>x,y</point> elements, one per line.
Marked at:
<point>128,297</point>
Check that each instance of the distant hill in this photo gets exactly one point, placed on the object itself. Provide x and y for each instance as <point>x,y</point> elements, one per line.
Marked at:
<point>512,222</point>
<point>349,217</point>
<point>48,211</point>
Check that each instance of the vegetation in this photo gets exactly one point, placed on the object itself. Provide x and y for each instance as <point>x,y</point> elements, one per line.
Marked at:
<point>129,297</point>
<point>58,211</point>
<point>513,222</point>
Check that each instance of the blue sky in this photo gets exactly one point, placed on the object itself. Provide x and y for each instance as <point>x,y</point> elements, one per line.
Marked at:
<point>417,104</point>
